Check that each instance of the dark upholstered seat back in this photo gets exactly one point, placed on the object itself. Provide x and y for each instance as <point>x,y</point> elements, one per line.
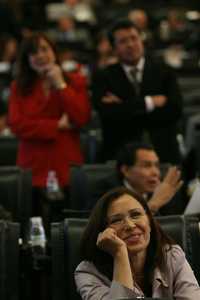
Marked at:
<point>89,182</point>
<point>193,242</point>
<point>65,257</point>
<point>9,260</point>
<point>16,193</point>
<point>8,151</point>
<point>175,227</point>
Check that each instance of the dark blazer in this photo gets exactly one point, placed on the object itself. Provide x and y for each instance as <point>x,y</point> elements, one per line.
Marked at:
<point>175,206</point>
<point>125,122</point>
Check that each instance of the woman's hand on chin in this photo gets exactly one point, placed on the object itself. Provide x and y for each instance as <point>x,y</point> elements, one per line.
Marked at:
<point>109,242</point>
<point>55,76</point>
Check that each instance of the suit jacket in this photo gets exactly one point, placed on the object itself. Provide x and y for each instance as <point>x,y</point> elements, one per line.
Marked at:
<point>126,121</point>
<point>175,206</point>
<point>177,282</point>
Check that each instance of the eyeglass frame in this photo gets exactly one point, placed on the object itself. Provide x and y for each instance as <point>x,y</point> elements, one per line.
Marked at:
<point>120,218</point>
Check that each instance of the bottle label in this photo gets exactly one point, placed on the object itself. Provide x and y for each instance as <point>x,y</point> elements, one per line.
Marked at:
<point>38,241</point>
<point>53,190</point>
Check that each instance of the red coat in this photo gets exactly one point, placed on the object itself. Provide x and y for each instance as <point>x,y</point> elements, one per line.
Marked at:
<point>33,119</point>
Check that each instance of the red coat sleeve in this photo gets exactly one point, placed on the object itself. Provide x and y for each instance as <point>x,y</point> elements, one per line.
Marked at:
<point>24,127</point>
<point>75,100</point>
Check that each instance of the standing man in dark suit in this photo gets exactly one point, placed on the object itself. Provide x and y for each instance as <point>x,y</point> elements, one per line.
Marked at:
<point>136,95</point>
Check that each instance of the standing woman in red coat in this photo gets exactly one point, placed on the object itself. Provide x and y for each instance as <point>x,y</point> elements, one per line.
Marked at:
<point>47,108</point>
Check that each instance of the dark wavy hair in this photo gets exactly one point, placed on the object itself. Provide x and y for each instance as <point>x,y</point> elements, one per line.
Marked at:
<point>25,75</point>
<point>98,222</point>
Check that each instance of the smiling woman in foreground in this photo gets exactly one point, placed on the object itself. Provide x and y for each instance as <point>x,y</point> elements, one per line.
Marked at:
<point>126,254</point>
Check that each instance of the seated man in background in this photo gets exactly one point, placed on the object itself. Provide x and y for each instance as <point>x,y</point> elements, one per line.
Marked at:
<point>139,169</point>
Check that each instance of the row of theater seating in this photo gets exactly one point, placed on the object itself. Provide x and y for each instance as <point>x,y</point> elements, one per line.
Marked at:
<point>90,136</point>
<point>92,180</point>
<point>65,238</point>
<point>65,249</point>
<point>9,260</point>
<point>16,194</point>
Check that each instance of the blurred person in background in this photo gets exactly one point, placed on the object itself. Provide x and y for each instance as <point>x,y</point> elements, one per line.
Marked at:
<point>104,55</point>
<point>4,127</point>
<point>174,29</point>
<point>47,108</point>
<point>138,168</point>
<point>8,53</point>
<point>137,97</point>
<point>140,18</point>
<point>9,22</point>
<point>9,48</point>
<point>3,117</point>
<point>82,11</point>
<point>67,32</point>
<point>125,254</point>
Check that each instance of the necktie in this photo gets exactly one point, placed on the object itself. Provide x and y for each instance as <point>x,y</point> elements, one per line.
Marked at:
<point>134,79</point>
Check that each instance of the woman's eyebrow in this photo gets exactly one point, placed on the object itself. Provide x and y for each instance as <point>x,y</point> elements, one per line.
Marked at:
<point>135,210</point>
<point>129,211</point>
<point>116,215</point>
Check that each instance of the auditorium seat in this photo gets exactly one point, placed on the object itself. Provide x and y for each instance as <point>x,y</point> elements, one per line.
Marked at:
<point>193,238</point>
<point>91,139</point>
<point>16,193</point>
<point>8,150</point>
<point>9,260</point>
<point>89,182</point>
<point>72,213</point>
<point>65,249</point>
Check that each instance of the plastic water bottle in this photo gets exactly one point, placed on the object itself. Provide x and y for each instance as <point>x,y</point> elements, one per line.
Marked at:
<point>53,189</point>
<point>37,240</point>
<point>37,235</point>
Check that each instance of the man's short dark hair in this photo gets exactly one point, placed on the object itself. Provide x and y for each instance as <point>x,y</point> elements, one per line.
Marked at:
<point>127,154</point>
<point>120,24</point>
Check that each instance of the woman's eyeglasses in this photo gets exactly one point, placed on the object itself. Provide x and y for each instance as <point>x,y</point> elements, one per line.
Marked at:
<point>120,219</point>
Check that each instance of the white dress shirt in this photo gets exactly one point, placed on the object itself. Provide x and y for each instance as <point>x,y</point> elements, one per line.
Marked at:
<point>139,74</point>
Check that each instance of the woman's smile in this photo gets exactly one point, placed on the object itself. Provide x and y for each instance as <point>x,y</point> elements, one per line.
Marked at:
<point>133,238</point>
